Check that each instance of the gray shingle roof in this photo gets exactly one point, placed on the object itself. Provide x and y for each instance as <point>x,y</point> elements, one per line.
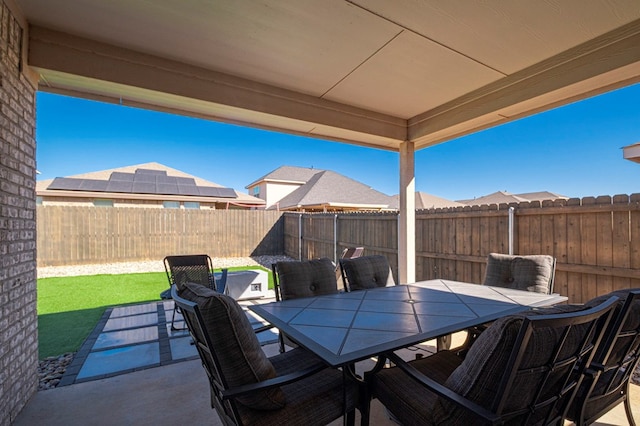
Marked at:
<point>500,197</point>
<point>330,188</point>
<point>288,174</point>
<point>427,201</point>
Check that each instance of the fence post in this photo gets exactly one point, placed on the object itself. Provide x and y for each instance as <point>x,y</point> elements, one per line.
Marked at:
<point>300,236</point>
<point>511,230</point>
<point>335,238</point>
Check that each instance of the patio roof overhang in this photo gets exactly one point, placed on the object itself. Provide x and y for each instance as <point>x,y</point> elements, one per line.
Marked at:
<point>632,152</point>
<point>398,75</point>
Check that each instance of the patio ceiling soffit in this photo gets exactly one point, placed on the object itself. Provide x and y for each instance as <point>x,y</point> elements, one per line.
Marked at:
<point>81,67</point>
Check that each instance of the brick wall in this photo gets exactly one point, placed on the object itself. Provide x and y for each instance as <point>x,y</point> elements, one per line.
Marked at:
<point>18,315</point>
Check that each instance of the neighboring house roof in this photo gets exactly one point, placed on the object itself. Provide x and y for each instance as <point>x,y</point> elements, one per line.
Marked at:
<point>427,201</point>
<point>504,197</point>
<point>328,189</point>
<point>542,195</point>
<point>143,181</point>
<point>287,174</point>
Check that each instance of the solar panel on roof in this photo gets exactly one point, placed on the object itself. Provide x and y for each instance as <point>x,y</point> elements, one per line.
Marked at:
<point>185,181</point>
<point>93,185</point>
<point>228,193</point>
<point>188,190</point>
<point>144,178</point>
<point>167,188</point>
<point>119,186</point>
<point>142,183</point>
<point>121,176</point>
<point>210,191</point>
<point>144,187</point>
<point>151,172</point>
<point>65,184</point>
<point>167,179</point>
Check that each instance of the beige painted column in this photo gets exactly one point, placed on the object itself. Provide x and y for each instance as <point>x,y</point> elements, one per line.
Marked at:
<point>407,226</point>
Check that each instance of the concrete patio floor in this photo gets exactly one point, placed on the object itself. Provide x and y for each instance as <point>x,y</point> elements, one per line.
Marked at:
<point>134,370</point>
<point>173,394</point>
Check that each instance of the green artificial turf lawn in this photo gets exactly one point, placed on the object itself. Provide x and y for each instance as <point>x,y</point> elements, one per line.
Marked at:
<point>70,307</point>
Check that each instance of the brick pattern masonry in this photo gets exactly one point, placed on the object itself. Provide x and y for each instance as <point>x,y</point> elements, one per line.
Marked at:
<point>18,315</point>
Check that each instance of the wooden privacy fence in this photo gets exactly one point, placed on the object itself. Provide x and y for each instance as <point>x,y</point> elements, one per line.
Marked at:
<point>596,241</point>
<point>313,235</point>
<point>69,235</point>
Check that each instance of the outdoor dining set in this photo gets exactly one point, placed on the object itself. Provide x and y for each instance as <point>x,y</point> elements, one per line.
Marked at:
<point>528,356</point>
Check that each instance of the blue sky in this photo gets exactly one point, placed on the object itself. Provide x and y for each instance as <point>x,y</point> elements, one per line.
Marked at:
<point>574,150</point>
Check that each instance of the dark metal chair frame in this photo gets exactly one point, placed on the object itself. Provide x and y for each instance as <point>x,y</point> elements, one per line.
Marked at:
<point>345,278</point>
<point>619,372</point>
<point>196,268</point>
<point>596,319</point>
<point>444,342</point>
<point>277,286</point>
<point>222,395</point>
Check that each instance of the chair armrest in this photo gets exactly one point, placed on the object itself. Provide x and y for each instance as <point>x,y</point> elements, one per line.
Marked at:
<point>272,383</point>
<point>263,328</point>
<point>442,390</point>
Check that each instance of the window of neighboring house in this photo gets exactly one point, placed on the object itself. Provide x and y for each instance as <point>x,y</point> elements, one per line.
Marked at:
<point>256,191</point>
<point>38,201</point>
<point>191,205</point>
<point>171,204</point>
<point>103,203</point>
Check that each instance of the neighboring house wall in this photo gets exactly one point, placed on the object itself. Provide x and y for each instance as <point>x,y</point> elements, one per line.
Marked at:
<point>87,202</point>
<point>275,192</point>
<point>18,314</point>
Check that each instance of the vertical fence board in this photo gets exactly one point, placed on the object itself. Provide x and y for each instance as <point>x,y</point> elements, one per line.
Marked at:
<point>589,254</point>
<point>604,243</point>
<point>621,255</point>
<point>560,248</point>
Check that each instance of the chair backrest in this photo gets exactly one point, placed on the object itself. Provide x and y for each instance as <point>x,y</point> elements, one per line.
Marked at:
<point>526,368</point>
<point>532,273</point>
<point>229,350</point>
<point>615,361</point>
<point>307,278</point>
<point>347,253</point>
<point>196,268</point>
<point>366,272</point>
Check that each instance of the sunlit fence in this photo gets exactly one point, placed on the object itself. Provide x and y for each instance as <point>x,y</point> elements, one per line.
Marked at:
<point>71,235</point>
<point>596,241</point>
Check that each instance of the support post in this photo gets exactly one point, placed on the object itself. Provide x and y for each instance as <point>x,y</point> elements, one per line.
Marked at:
<point>407,218</point>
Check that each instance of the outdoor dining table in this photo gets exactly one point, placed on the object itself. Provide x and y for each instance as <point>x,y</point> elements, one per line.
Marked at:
<point>345,328</point>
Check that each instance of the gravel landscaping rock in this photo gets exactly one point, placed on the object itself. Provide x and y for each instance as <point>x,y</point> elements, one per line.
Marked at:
<point>51,369</point>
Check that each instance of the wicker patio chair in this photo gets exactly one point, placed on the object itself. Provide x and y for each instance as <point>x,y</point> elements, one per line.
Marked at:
<point>524,369</point>
<point>298,279</point>
<point>366,272</point>
<point>534,273</point>
<point>531,272</point>
<point>247,388</point>
<point>607,379</point>
<point>194,268</point>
